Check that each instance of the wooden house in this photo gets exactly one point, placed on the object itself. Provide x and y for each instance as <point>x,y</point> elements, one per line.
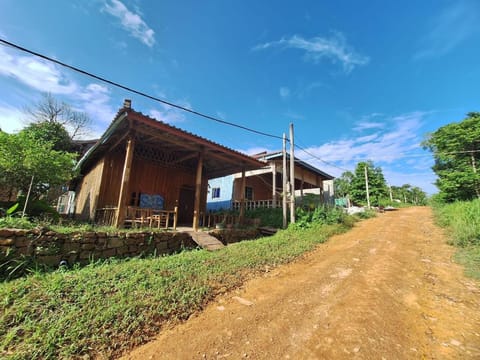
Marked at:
<point>263,187</point>
<point>140,162</point>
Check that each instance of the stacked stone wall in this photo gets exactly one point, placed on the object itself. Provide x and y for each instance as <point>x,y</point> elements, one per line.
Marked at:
<point>50,248</point>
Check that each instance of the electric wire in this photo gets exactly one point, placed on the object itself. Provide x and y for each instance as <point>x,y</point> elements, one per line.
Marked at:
<point>171,104</point>
<point>141,93</point>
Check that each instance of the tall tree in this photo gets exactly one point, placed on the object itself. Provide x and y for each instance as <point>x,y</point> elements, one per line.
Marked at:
<point>25,156</point>
<point>343,184</point>
<point>377,185</point>
<point>51,110</point>
<point>52,132</point>
<point>456,150</point>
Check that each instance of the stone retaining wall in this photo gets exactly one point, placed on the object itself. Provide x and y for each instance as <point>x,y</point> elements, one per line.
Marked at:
<point>230,236</point>
<point>49,247</point>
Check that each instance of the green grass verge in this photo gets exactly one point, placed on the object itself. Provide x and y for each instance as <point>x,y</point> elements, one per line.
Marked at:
<point>462,221</point>
<point>105,308</point>
<point>469,257</point>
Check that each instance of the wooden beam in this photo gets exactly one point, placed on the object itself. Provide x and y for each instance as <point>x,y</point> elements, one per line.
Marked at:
<point>198,190</point>
<point>124,185</point>
<point>184,158</point>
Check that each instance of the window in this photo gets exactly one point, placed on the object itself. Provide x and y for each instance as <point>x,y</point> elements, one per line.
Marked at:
<point>215,193</point>
<point>248,193</point>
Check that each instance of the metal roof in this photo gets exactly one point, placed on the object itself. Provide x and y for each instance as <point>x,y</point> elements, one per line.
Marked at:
<point>168,144</point>
<point>278,155</point>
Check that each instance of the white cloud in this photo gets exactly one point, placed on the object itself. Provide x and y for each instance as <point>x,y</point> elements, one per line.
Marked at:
<point>368,125</point>
<point>169,114</point>
<point>35,73</point>
<point>391,144</point>
<point>284,92</point>
<point>45,77</point>
<point>448,29</point>
<point>334,48</point>
<point>95,101</point>
<point>131,22</point>
<point>11,119</point>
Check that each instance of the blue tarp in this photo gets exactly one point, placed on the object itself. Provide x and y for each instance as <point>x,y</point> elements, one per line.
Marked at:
<point>151,201</point>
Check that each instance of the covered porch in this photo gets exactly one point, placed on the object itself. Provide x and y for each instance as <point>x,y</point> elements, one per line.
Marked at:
<point>143,172</point>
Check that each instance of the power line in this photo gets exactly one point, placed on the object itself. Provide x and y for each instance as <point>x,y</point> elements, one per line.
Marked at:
<point>320,159</point>
<point>151,97</point>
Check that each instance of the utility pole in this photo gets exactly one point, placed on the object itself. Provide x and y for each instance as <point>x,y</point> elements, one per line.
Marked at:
<point>292,177</point>
<point>366,186</point>
<point>284,181</point>
<point>390,189</point>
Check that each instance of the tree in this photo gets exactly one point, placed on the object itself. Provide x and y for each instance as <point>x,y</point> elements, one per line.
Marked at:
<point>376,184</point>
<point>25,156</point>
<point>52,132</point>
<point>456,150</point>
<point>409,194</point>
<point>50,110</point>
<point>343,184</point>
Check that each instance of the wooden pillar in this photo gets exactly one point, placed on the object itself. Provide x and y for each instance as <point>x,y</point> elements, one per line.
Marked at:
<point>274,185</point>
<point>198,191</point>
<point>301,184</point>
<point>124,185</point>
<point>242,201</point>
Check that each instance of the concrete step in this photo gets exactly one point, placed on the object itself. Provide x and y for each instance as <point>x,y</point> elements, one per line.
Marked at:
<point>206,241</point>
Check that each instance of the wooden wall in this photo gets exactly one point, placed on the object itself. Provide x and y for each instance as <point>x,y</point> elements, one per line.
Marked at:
<point>261,184</point>
<point>150,178</point>
<point>88,193</point>
<point>112,178</point>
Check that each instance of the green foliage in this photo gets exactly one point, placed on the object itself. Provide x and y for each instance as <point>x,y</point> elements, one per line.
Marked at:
<point>409,194</point>
<point>463,221</point>
<point>455,149</point>
<point>268,216</point>
<point>343,184</point>
<point>25,155</point>
<point>107,307</point>
<point>12,209</point>
<point>470,258</point>
<point>322,215</point>
<point>377,185</point>
<point>51,132</point>
<point>15,222</point>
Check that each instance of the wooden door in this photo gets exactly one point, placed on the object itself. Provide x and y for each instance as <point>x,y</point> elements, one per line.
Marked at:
<point>186,205</point>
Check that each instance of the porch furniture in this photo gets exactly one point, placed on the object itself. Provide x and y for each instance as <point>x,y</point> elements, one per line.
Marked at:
<point>161,218</point>
<point>138,217</point>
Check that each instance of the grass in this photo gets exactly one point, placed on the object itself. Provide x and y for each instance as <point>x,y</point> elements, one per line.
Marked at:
<point>469,257</point>
<point>107,307</point>
<point>462,221</point>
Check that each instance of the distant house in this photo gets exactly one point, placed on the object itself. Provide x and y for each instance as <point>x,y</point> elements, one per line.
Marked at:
<point>263,187</point>
<point>144,163</point>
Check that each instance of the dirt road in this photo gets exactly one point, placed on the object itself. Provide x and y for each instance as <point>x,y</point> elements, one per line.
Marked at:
<point>387,289</point>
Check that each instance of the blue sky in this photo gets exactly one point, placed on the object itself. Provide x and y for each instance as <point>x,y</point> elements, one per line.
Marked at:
<point>360,80</point>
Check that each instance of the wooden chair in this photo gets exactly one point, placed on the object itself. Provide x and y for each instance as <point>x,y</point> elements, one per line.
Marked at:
<point>138,217</point>
<point>160,219</point>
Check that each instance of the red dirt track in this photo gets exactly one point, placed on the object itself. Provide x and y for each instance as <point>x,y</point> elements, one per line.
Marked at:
<point>387,289</point>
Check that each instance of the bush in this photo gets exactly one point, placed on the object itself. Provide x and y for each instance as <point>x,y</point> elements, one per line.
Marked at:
<point>268,216</point>
<point>324,215</point>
